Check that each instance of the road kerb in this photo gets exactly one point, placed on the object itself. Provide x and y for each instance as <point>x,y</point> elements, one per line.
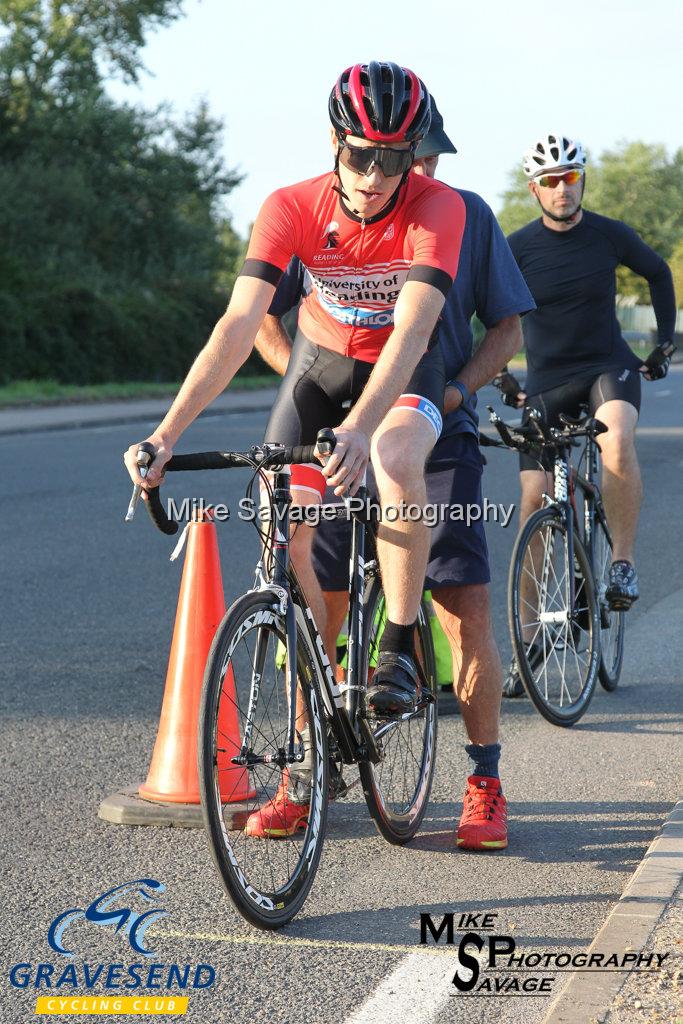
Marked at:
<point>587,997</point>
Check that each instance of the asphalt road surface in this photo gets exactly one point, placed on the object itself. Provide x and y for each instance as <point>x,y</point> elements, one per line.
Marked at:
<point>87,612</point>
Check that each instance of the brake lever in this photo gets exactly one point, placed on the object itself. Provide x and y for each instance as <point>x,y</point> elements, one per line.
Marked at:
<point>144,458</point>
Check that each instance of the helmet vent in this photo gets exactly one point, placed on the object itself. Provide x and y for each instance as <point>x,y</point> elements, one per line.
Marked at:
<point>551,152</point>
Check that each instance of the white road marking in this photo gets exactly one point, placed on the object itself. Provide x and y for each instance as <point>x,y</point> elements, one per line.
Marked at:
<point>415,991</point>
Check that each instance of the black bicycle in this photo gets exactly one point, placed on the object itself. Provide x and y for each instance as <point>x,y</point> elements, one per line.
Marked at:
<point>564,633</point>
<point>273,716</point>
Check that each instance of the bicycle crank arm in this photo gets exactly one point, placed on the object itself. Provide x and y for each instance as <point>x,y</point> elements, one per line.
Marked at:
<point>391,725</point>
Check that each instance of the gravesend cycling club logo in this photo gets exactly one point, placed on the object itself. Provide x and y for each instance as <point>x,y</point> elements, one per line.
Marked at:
<point>490,963</point>
<point>104,913</point>
<point>77,986</point>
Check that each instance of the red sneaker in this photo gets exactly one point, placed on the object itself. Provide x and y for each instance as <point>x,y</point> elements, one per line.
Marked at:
<point>483,825</point>
<point>279,817</point>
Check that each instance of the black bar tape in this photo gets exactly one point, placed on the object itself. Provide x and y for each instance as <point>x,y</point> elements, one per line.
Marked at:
<point>157,513</point>
<point>205,460</point>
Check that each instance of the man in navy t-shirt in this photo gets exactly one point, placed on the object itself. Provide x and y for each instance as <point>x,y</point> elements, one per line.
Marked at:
<point>489,284</point>
<point>575,350</point>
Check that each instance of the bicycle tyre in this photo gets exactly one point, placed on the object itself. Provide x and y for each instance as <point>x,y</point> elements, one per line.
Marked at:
<point>397,819</point>
<point>557,634</point>
<point>290,869</point>
<point>612,621</point>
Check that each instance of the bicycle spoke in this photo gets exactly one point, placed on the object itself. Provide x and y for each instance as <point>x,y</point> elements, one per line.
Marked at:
<point>554,640</point>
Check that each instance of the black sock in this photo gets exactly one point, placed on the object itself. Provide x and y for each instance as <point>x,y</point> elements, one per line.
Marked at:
<point>485,758</point>
<point>398,639</point>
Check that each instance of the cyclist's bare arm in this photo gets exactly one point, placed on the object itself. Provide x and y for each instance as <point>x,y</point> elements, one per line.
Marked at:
<point>500,343</point>
<point>226,350</point>
<point>273,344</point>
<point>415,315</point>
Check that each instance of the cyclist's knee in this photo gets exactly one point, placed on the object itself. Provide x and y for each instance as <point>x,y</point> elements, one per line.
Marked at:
<point>534,484</point>
<point>618,444</point>
<point>399,458</point>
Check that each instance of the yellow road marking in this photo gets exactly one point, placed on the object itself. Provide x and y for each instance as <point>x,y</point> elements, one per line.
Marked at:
<point>324,944</point>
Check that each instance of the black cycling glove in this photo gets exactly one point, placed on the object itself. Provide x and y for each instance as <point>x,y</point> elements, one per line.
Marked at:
<point>659,360</point>
<point>509,387</point>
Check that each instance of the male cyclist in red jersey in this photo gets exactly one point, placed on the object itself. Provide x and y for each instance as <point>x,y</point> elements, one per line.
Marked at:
<point>382,248</point>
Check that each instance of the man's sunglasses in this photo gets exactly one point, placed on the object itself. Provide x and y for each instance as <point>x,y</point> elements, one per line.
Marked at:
<point>553,180</point>
<point>391,162</point>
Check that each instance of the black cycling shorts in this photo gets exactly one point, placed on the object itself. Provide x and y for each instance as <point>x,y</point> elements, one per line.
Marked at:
<point>613,385</point>
<point>319,388</point>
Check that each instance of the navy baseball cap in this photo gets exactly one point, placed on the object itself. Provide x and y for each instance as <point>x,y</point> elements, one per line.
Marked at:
<point>435,142</point>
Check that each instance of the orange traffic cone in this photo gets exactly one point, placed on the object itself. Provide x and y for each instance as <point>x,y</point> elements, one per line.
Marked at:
<point>172,777</point>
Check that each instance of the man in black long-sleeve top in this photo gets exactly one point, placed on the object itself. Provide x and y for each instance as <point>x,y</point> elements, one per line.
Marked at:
<point>574,346</point>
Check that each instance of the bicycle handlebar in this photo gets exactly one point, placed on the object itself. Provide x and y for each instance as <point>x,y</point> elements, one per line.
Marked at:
<point>271,457</point>
<point>534,434</point>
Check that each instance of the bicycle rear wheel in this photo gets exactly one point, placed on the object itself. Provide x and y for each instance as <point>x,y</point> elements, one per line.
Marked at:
<point>397,788</point>
<point>556,646</point>
<point>612,622</point>
<point>268,873</point>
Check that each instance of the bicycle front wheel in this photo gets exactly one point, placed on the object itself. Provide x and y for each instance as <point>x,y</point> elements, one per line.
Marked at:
<point>397,788</point>
<point>556,646</point>
<point>265,821</point>
<point>612,622</point>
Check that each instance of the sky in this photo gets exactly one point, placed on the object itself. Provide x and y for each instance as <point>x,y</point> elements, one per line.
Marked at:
<point>503,74</point>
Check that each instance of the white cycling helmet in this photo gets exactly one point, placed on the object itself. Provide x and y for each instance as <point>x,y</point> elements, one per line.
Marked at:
<point>552,152</point>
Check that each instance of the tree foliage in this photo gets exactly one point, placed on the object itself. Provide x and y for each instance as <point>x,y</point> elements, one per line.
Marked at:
<point>116,253</point>
<point>637,183</point>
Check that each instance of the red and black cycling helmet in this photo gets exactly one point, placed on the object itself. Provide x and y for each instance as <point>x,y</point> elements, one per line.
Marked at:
<point>380,102</point>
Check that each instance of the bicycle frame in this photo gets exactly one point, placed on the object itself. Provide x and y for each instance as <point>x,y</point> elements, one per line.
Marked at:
<point>351,731</point>
<point>593,506</point>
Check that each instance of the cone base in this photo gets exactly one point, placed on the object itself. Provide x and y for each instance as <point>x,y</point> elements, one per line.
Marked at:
<point>130,808</point>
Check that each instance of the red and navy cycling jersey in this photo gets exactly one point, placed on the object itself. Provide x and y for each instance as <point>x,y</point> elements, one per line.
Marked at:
<point>357,267</point>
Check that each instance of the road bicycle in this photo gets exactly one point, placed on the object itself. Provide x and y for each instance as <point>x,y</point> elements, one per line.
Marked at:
<point>272,713</point>
<point>565,635</point>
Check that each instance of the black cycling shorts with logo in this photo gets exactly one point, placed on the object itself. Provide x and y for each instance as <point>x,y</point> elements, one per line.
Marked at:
<point>319,388</point>
<point>613,385</point>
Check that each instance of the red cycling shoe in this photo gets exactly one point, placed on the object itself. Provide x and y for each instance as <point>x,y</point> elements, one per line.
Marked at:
<point>483,825</point>
<point>278,818</point>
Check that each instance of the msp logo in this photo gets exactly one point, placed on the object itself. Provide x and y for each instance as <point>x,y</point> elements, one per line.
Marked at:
<point>331,235</point>
<point>106,911</point>
<point>388,234</point>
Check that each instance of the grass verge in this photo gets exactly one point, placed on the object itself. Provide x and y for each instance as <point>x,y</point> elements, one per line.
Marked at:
<point>50,392</point>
